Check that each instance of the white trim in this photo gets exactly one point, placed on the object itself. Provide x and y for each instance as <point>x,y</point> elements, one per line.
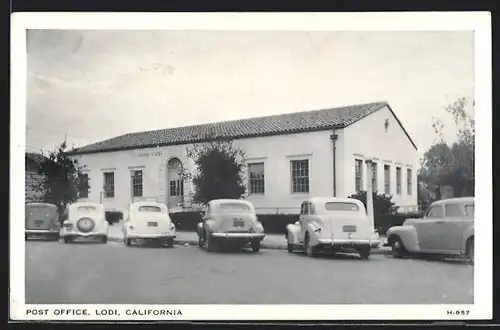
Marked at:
<point>137,167</point>
<point>359,156</point>
<point>387,161</point>
<point>252,160</point>
<point>299,157</point>
<point>108,170</point>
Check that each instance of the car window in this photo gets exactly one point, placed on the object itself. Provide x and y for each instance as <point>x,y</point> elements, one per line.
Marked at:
<point>39,210</point>
<point>312,208</point>
<point>341,206</point>
<point>231,207</point>
<point>149,208</point>
<point>469,209</point>
<point>452,210</point>
<point>306,208</point>
<point>86,208</point>
<point>434,212</point>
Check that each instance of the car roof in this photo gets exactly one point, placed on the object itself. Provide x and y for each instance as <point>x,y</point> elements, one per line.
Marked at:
<point>227,200</point>
<point>455,200</point>
<point>86,204</point>
<point>320,200</point>
<point>41,204</point>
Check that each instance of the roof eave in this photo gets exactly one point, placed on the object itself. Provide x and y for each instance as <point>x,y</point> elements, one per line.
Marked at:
<point>202,140</point>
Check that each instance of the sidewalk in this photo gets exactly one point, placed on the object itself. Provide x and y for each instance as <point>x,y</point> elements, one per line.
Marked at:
<point>271,241</point>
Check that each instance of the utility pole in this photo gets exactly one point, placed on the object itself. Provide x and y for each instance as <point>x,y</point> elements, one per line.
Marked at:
<point>369,192</point>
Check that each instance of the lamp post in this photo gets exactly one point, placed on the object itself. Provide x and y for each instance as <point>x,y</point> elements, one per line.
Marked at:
<point>369,192</point>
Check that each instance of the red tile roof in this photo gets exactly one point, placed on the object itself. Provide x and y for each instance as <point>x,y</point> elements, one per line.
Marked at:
<point>289,123</point>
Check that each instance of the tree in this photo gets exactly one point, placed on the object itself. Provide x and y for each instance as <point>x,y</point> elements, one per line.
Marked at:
<point>219,170</point>
<point>62,180</point>
<point>452,165</point>
<point>382,203</point>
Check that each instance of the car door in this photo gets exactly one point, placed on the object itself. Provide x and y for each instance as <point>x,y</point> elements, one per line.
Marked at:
<point>304,220</point>
<point>426,227</point>
<point>452,228</point>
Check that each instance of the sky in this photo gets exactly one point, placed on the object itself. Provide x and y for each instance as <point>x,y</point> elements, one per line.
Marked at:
<point>91,85</point>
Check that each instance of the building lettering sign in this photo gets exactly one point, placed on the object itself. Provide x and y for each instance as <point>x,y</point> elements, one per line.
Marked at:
<point>150,154</point>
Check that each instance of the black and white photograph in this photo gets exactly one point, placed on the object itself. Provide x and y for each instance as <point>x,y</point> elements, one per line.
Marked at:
<point>221,166</point>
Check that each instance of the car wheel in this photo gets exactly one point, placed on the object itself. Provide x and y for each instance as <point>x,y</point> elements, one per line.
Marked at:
<point>364,253</point>
<point>170,242</point>
<point>200,241</point>
<point>67,240</point>
<point>104,239</point>
<point>310,250</point>
<point>128,241</point>
<point>25,237</point>
<point>470,250</point>
<point>255,246</point>
<point>397,248</point>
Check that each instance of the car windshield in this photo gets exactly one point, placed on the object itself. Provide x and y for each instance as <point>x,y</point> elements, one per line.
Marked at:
<point>469,209</point>
<point>234,207</point>
<point>149,208</point>
<point>341,206</point>
<point>86,208</point>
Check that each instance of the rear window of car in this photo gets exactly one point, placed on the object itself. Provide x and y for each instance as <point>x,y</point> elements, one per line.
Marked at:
<point>149,208</point>
<point>86,208</point>
<point>41,210</point>
<point>469,209</point>
<point>234,207</point>
<point>340,206</point>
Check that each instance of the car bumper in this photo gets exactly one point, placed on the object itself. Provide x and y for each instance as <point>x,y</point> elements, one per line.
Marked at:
<point>244,236</point>
<point>150,236</point>
<point>41,232</point>
<point>80,234</point>
<point>349,242</point>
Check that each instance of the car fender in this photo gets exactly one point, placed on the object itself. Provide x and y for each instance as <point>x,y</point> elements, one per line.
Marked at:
<point>469,232</point>
<point>408,236</point>
<point>292,233</point>
<point>259,228</point>
<point>312,231</point>
<point>199,229</point>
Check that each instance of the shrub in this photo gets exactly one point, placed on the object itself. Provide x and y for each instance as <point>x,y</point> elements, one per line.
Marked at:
<point>113,216</point>
<point>382,203</point>
<point>385,221</point>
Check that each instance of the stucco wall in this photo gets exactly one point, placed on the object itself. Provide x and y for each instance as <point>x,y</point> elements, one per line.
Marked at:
<point>276,152</point>
<point>368,138</point>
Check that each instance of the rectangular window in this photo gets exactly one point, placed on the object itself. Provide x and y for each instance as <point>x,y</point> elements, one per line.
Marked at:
<point>83,186</point>
<point>176,187</point>
<point>387,179</point>
<point>374,177</point>
<point>137,183</point>
<point>109,184</point>
<point>358,169</point>
<point>256,178</point>
<point>300,176</point>
<point>398,180</point>
<point>409,187</point>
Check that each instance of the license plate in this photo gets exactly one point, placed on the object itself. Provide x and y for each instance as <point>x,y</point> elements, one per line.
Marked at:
<point>349,229</point>
<point>152,224</point>
<point>238,223</point>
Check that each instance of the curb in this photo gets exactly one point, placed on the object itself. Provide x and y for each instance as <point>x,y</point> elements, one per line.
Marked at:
<point>381,250</point>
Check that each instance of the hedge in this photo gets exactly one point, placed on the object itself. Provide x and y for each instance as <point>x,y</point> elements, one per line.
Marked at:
<point>276,223</point>
<point>113,216</point>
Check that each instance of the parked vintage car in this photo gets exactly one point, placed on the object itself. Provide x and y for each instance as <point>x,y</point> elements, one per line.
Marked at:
<point>87,220</point>
<point>230,222</point>
<point>447,228</point>
<point>331,224</point>
<point>41,221</point>
<point>148,221</point>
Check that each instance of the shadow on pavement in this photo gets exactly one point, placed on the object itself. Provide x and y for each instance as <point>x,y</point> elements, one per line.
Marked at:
<point>436,258</point>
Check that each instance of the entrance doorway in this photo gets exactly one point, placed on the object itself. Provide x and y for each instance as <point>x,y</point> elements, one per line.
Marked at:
<point>175,183</point>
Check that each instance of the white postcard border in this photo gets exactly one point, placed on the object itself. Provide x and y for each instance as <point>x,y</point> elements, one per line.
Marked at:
<point>480,22</point>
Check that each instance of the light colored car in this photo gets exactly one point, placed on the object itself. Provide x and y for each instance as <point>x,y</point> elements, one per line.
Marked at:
<point>85,220</point>
<point>42,221</point>
<point>332,224</point>
<point>447,228</point>
<point>230,222</point>
<point>148,221</point>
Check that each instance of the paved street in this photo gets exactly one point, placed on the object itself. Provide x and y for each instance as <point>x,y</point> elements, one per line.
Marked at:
<point>91,273</point>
